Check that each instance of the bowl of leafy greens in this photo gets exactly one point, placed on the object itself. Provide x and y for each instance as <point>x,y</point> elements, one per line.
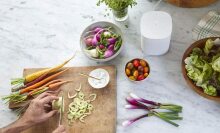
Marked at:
<point>201,67</point>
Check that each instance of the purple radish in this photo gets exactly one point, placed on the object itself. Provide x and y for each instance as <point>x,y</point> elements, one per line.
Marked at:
<point>111,47</point>
<point>111,40</point>
<point>94,41</point>
<point>97,29</point>
<point>98,36</point>
<point>108,53</point>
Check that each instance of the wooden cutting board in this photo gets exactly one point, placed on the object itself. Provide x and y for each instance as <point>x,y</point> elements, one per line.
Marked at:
<point>103,118</point>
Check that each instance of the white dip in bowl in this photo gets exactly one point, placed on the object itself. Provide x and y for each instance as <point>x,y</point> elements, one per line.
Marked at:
<point>101,74</point>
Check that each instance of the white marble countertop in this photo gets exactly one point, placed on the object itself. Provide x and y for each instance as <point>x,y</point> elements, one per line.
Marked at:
<point>37,33</point>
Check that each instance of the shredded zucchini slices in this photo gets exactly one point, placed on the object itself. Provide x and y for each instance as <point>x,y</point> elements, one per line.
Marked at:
<point>80,108</point>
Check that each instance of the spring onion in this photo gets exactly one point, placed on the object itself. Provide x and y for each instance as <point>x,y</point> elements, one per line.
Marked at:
<point>136,102</point>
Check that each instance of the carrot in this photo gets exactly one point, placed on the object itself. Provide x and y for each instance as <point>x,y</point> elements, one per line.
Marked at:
<point>25,90</point>
<point>51,87</point>
<point>17,88</point>
<point>48,83</point>
<point>33,76</point>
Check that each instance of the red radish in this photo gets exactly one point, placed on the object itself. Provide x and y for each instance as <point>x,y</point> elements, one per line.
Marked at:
<point>101,46</point>
<point>88,41</point>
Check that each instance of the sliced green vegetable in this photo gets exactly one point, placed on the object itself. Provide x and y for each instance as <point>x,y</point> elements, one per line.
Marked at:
<point>80,108</point>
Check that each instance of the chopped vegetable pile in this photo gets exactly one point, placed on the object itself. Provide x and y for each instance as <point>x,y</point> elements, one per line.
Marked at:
<point>137,69</point>
<point>80,108</point>
<point>102,42</point>
<point>203,67</point>
<point>152,108</point>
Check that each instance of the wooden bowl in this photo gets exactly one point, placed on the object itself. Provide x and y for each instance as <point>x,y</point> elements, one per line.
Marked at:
<point>197,89</point>
<point>191,3</point>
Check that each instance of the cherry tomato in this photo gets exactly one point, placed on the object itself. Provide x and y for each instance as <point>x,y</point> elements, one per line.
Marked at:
<point>140,77</point>
<point>146,74</point>
<point>132,78</point>
<point>146,69</point>
<point>143,63</point>
<point>127,71</point>
<point>135,73</point>
<point>136,63</point>
<point>130,66</point>
<point>140,68</point>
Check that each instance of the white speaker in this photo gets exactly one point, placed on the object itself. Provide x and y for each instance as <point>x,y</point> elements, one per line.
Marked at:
<point>156,29</point>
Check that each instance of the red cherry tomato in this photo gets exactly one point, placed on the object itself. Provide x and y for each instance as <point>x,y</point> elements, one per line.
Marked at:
<point>140,77</point>
<point>136,63</point>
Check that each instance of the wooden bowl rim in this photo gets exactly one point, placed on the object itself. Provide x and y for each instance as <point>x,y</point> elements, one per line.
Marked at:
<point>191,84</point>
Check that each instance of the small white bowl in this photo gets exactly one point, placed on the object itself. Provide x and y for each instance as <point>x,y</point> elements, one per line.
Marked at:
<point>102,24</point>
<point>102,74</point>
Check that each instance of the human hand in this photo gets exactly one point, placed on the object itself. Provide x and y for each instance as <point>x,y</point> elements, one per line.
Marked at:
<point>36,112</point>
<point>60,129</point>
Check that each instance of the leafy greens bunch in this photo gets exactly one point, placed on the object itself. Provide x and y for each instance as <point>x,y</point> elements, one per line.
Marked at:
<point>203,67</point>
<point>118,5</point>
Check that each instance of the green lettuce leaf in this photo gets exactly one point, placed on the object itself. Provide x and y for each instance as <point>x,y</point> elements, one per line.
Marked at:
<point>195,61</point>
<point>197,51</point>
<point>216,64</point>
<point>192,72</point>
<point>209,89</point>
<point>208,46</point>
<point>205,75</point>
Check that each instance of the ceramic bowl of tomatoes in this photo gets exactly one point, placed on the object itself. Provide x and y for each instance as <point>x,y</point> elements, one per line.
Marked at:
<point>137,69</point>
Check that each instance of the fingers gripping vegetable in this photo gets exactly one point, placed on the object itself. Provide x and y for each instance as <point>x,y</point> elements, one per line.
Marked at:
<point>58,104</point>
<point>33,76</point>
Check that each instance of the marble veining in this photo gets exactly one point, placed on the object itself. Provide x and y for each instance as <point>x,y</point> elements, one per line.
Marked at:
<point>40,33</point>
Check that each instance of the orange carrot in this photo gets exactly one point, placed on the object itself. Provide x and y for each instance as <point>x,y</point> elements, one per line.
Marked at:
<point>25,90</point>
<point>48,83</point>
<point>51,87</point>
